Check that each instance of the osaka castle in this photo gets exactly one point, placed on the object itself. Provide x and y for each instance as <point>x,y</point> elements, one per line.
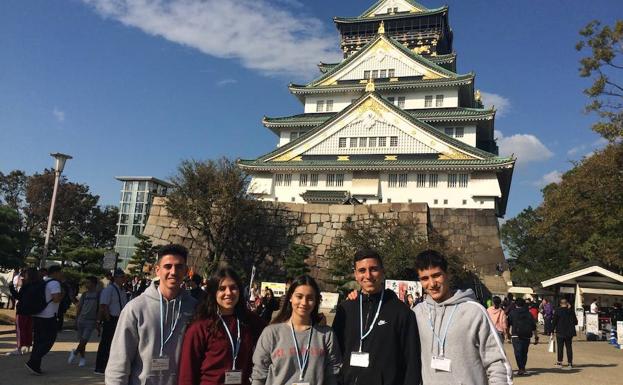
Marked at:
<point>393,122</point>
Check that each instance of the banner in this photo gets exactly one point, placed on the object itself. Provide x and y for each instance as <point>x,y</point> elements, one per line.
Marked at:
<point>620,333</point>
<point>279,289</point>
<point>592,323</point>
<point>402,288</point>
<point>329,300</point>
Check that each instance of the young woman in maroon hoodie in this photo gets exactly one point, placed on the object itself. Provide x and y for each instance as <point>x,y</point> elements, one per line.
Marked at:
<point>218,345</point>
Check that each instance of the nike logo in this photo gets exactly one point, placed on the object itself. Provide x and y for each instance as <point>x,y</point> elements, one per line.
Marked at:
<point>381,323</point>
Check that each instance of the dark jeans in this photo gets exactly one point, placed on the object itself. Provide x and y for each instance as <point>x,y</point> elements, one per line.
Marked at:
<point>567,343</point>
<point>44,331</point>
<point>520,347</point>
<point>103,350</point>
<point>60,318</point>
<point>547,321</point>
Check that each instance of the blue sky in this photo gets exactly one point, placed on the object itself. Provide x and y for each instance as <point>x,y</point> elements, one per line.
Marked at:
<point>134,87</point>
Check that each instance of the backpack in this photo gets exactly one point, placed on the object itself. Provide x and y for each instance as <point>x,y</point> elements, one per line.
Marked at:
<point>523,324</point>
<point>32,298</point>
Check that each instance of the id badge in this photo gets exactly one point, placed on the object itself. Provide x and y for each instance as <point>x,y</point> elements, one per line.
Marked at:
<point>441,363</point>
<point>160,364</point>
<point>233,378</point>
<point>300,383</point>
<point>360,359</point>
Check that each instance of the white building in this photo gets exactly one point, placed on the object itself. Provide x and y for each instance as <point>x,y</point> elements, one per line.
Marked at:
<point>393,122</point>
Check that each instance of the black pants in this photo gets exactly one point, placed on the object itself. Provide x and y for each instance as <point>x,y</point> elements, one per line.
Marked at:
<point>44,333</point>
<point>520,347</point>
<point>103,350</point>
<point>548,325</point>
<point>567,343</point>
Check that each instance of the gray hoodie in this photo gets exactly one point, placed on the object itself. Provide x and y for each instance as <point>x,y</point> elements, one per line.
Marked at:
<point>137,339</point>
<point>472,343</point>
<point>275,362</point>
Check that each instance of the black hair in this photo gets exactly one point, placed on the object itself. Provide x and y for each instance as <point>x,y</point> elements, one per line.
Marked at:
<point>196,278</point>
<point>208,307</point>
<point>497,301</point>
<point>431,258</point>
<point>520,302</point>
<point>54,269</point>
<point>173,249</point>
<point>362,254</point>
<point>93,279</point>
<point>286,308</point>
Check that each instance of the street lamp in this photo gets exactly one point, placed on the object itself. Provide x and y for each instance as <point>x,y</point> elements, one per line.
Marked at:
<point>59,165</point>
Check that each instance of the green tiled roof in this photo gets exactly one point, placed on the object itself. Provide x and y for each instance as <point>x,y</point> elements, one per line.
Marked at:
<point>418,58</point>
<point>426,115</point>
<point>371,8</point>
<point>438,59</point>
<point>324,67</point>
<point>360,19</point>
<point>326,196</point>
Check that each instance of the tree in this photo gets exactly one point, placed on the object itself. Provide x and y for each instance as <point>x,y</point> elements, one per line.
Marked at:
<point>13,189</point>
<point>294,262</point>
<point>144,254</point>
<point>12,240</point>
<point>604,65</point>
<point>87,258</point>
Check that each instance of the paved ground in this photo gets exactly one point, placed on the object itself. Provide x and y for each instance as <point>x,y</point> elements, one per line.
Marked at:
<point>597,363</point>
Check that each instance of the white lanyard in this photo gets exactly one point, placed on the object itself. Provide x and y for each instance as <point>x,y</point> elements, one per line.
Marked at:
<point>378,310</point>
<point>440,341</point>
<point>163,341</point>
<point>234,348</point>
<point>302,361</point>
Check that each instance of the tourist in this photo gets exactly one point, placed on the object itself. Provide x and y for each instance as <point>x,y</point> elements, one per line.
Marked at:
<point>218,345</point>
<point>376,332</point>
<point>150,330</point>
<point>86,318</point>
<point>548,313</point>
<point>112,300</point>
<point>523,327</point>
<point>296,348</point>
<point>564,322</point>
<point>23,322</point>
<point>459,341</point>
<point>44,322</point>
<point>499,318</point>
<point>409,301</point>
<point>195,287</point>
<point>268,305</point>
<point>594,306</point>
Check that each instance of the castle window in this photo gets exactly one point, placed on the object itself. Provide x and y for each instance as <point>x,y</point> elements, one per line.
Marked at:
<point>463,180</point>
<point>382,141</point>
<point>375,74</point>
<point>445,201</point>
<point>339,180</point>
<point>366,74</point>
<point>383,74</point>
<point>391,99</point>
<point>294,135</point>
<point>421,180</point>
<point>363,142</point>
<point>287,179</point>
<point>452,180</point>
<point>278,179</point>
<point>329,106</point>
<point>330,180</point>
<point>372,142</point>
<point>435,201</point>
<point>342,143</point>
<point>303,180</point>
<point>393,180</point>
<point>458,132</point>
<point>313,179</point>
<point>432,180</point>
<point>439,101</point>
<point>449,131</point>
<point>401,102</point>
<point>391,72</point>
<point>319,105</point>
<point>353,142</point>
<point>428,101</point>
<point>393,141</point>
<point>402,180</point>
<point>464,201</point>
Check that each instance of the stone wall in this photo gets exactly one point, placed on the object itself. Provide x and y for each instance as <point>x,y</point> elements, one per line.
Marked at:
<point>473,232</point>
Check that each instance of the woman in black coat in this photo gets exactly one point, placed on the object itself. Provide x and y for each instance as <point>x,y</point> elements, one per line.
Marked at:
<point>564,322</point>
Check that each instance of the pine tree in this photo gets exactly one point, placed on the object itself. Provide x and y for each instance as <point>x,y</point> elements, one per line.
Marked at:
<point>294,262</point>
<point>145,253</point>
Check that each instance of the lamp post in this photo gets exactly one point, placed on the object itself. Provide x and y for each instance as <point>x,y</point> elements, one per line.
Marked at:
<point>58,169</point>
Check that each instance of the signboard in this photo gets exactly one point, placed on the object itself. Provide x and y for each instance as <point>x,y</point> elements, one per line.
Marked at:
<point>592,323</point>
<point>402,288</point>
<point>329,300</point>
<point>579,313</point>
<point>620,333</point>
<point>108,263</point>
<point>279,289</point>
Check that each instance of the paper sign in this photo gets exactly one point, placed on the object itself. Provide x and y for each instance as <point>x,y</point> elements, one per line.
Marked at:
<point>402,288</point>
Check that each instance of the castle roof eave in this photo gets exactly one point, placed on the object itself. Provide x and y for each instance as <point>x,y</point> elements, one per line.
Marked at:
<point>360,19</point>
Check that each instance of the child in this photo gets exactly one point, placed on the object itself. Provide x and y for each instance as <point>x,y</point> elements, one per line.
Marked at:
<point>86,314</point>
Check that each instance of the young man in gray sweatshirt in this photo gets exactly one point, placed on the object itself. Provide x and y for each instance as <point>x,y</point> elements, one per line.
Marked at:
<point>147,341</point>
<point>458,340</point>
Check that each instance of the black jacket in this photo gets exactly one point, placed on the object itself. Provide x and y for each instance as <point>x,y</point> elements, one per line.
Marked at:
<point>564,322</point>
<point>393,344</point>
<point>521,322</point>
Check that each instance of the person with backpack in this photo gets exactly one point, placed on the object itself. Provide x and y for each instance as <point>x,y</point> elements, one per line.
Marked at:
<point>23,322</point>
<point>42,302</point>
<point>564,322</point>
<point>86,315</point>
<point>523,327</point>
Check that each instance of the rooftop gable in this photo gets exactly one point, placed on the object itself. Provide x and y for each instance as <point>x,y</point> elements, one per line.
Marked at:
<point>583,275</point>
<point>381,7</point>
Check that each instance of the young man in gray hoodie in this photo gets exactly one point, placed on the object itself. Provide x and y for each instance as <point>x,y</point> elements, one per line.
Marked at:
<point>147,341</point>
<point>458,340</point>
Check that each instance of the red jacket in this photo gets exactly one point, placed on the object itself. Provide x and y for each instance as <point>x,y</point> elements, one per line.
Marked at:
<point>206,355</point>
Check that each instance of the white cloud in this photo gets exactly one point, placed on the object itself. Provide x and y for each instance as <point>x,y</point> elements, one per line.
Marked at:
<point>527,148</point>
<point>225,82</point>
<point>595,145</point>
<point>502,104</point>
<point>551,177</point>
<point>58,114</point>
<point>263,35</point>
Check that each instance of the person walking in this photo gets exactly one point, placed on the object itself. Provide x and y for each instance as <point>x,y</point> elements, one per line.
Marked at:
<point>44,322</point>
<point>268,305</point>
<point>548,314</point>
<point>23,322</point>
<point>564,322</point>
<point>218,345</point>
<point>459,341</point>
<point>86,318</point>
<point>523,327</point>
<point>112,300</point>
<point>377,334</point>
<point>150,329</point>
<point>499,318</point>
<point>296,348</point>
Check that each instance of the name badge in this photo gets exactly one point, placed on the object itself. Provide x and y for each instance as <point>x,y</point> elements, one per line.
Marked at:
<point>441,363</point>
<point>360,359</point>
<point>300,383</point>
<point>160,364</point>
<point>233,377</point>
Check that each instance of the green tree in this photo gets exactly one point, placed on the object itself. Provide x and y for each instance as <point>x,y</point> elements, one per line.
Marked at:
<point>12,239</point>
<point>604,64</point>
<point>144,254</point>
<point>13,189</point>
<point>294,262</point>
<point>88,259</point>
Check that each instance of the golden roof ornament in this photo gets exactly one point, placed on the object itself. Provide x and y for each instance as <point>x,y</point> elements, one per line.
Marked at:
<point>370,85</point>
<point>478,96</point>
<point>382,28</point>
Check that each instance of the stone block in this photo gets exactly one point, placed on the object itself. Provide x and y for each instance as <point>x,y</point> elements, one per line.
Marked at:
<point>326,225</point>
<point>325,218</point>
<point>166,234</point>
<point>361,209</point>
<point>149,229</point>
<point>158,201</point>
<point>335,218</point>
<point>157,232</point>
<point>315,218</point>
<point>314,208</point>
<point>301,229</point>
<point>336,225</point>
<point>163,221</point>
<point>330,233</point>
<point>312,228</point>
<point>341,209</point>
<point>322,230</point>
<point>317,239</point>
<point>326,240</point>
<point>306,218</point>
<point>380,208</point>
<point>154,211</point>
<point>321,249</point>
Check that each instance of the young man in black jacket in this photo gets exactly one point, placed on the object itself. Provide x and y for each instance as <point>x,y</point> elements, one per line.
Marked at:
<point>377,333</point>
<point>564,322</point>
<point>523,327</point>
